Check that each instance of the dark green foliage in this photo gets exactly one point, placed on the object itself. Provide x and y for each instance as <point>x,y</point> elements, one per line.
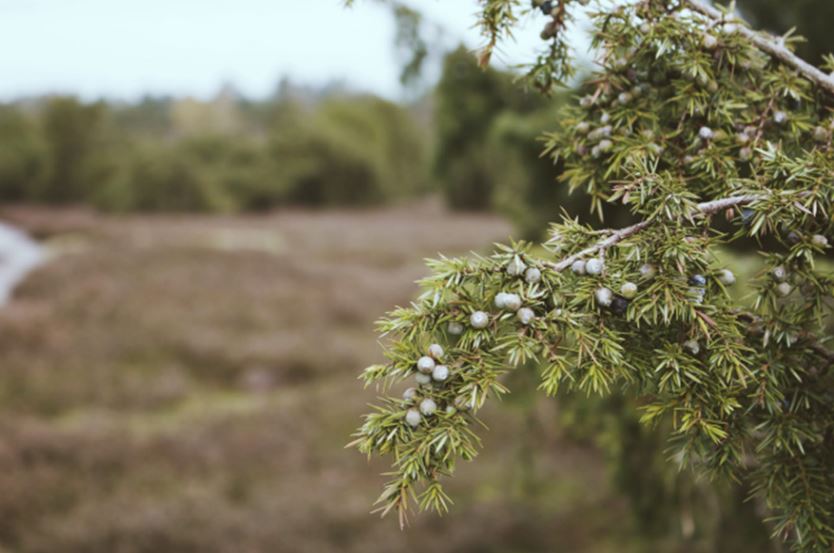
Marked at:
<point>664,500</point>
<point>525,190</point>
<point>74,134</point>
<point>525,178</point>
<point>164,178</point>
<point>468,100</point>
<point>22,157</point>
<point>357,152</point>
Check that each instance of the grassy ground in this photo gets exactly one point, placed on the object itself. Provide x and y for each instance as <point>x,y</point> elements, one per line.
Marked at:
<point>187,384</point>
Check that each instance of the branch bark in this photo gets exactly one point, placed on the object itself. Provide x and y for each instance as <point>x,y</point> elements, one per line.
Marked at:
<point>705,208</point>
<point>771,47</point>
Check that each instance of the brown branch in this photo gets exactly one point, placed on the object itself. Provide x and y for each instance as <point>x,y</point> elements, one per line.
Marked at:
<point>705,208</point>
<point>770,46</point>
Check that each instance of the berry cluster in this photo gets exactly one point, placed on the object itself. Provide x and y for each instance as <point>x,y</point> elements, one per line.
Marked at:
<point>429,369</point>
<point>432,373</point>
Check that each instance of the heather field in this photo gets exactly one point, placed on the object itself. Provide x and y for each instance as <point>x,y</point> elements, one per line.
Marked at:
<point>188,384</point>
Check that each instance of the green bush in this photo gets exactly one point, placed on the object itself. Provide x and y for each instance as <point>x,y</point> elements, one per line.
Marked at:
<point>156,178</point>
<point>468,100</point>
<point>526,188</point>
<point>23,156</point>
<point>77,148</point>
<point>356,151</point>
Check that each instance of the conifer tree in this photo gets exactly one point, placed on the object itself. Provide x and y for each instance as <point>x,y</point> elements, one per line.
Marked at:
<point>691,118</point>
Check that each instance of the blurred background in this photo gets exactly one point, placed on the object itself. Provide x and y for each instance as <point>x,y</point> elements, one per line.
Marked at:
<point>205,206</point>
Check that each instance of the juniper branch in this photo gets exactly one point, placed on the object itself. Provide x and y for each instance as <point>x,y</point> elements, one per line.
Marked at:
<point>770,46</point>
<point>705,208</point>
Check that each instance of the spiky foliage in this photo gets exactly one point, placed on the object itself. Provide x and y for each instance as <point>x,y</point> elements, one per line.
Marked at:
<point>689,119</point>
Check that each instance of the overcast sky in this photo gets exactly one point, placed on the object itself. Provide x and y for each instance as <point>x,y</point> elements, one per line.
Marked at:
<point>124,48</point>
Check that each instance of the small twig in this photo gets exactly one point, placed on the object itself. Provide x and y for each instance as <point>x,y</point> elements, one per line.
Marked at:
<point>771,47</point>
<point>706,208</point>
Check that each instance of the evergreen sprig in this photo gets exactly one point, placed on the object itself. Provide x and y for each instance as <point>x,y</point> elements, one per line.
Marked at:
<point>688,121</point>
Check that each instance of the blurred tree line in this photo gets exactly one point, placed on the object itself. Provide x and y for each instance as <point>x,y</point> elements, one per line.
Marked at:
<point>474,139</point>
<point>228,154</point>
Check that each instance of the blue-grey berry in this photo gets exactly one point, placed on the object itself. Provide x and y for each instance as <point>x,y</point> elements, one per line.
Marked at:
<point>501,300</point>
<point>710,42</point>
<point>780,117</point>
<point>525,315</point>
<point>454,328</point>
<point>410,394</point>
<point>428,407</point>
<point>819,240</point>
<point>479,320</point>
<point>413,418</point>
<point>779,273</point>
<point>425,364</point>
<point>583,127</point>
<point>450,410</point>
<point>440,373</point>
<point>705,133</point>
<point>533,275</point>
<point>512,302</point>
<point>784,289</point>
<point>422,378</point>
<point>604,296</point>
<point>516,266</point>
<point>594,266</point>
<point>692,346</point>
<point>698,280</point>
<point>727,277</point>
<point>578,267</point>
<point>436,351</point>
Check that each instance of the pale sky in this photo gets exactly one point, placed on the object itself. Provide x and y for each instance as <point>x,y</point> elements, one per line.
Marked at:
<point>124,48</point>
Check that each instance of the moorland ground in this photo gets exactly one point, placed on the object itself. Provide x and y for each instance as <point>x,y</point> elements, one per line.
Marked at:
<point>187,383</point>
